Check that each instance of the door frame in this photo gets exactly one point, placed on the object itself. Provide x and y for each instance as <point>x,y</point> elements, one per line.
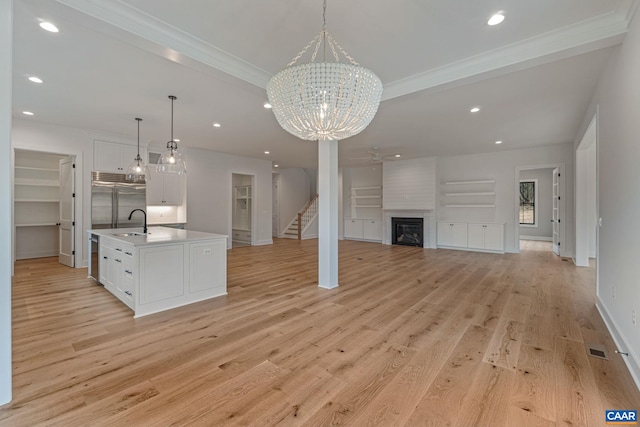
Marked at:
<point>584,178</point>
<point>563,212</point>
<point>77,201</point>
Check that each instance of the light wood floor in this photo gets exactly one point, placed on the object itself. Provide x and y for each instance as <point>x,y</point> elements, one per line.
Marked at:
<point>411,337</point>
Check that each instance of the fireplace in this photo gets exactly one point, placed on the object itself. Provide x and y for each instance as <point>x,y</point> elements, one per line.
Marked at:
<point>407,231</point>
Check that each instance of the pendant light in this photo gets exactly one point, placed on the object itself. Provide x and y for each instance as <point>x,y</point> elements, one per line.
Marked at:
<point>138,171</point>
<point>171,160</point>
<point>328,100</point>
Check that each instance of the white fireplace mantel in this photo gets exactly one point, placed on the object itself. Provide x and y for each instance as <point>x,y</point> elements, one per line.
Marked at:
<point>429,224</point>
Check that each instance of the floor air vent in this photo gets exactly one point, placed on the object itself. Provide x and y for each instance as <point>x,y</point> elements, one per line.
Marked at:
<point>596,350</point>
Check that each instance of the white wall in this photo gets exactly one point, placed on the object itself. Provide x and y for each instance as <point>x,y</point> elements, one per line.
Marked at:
<point>501,167</point>
<point>6,33</point>
<point>618,151</point>
<point>209,193</point>
<point>295,192</point>
<point>544,203</point>
<point>38,136</point>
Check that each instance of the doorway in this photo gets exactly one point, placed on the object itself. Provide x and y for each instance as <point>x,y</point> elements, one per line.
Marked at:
<point>587,197</point>
<point>242,206</point>
<point>540,209</point>
<point>44,206</point>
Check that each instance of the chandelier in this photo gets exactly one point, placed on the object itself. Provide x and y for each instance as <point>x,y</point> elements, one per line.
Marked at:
<point>138,171</point>
<point>171,161</point>
<point>324,100</point>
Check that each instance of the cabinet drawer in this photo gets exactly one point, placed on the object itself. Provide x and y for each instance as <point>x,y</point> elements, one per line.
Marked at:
<point>241,235</point>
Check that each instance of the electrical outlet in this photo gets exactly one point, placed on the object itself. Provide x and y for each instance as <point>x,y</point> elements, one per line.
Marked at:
<point>633,317</point>
<point>206,251</point>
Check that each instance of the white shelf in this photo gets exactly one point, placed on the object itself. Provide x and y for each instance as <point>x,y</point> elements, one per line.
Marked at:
<point>368,206</point>
<point>365,188</point>
<point>36,169</point>
<point>37,200</point>
<point>479,193</point>
<point>479,181</point>
<point>366,197</point>
<point>470,206</point>
<point>43,224</point>
<point>37,182</point>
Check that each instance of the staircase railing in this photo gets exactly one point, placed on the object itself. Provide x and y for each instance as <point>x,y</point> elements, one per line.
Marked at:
<point>306,215</point>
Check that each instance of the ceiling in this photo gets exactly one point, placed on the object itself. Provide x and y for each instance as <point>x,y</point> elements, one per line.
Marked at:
<point>114,60</point>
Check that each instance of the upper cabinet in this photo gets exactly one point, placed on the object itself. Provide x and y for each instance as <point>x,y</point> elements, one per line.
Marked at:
<point>114,157</point>
<point>165,189</point>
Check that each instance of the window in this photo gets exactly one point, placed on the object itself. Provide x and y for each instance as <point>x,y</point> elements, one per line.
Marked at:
<point>528,199</point>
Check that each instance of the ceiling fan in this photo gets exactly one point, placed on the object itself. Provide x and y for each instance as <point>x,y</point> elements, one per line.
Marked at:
<point>376,156</point>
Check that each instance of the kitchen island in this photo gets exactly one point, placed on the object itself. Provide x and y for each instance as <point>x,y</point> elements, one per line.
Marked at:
<point>163,269</point>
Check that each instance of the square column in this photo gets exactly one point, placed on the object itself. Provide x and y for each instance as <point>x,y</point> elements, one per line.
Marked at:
<point>328,214</point>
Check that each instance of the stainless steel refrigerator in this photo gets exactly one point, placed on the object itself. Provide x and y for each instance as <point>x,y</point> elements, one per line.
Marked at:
<point>113,198</point>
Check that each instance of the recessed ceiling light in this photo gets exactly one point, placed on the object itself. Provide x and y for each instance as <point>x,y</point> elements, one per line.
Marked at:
<point>266,152</point>
<point>496,19</point>
<point>216,125</point>
<point>498,142</point>
<point>176,139</point>
<point>276,166</point>
<point>27,113</point>
<point>397,155</point>
<point>267,105</point>
<point>35,79</point>
<point>475,109</point>
<point>49,27</point>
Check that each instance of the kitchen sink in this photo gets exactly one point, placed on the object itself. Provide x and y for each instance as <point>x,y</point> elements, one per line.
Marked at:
<point>133,234</point>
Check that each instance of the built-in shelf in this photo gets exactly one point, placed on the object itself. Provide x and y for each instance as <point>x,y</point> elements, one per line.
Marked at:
<point>479,181</point>
<point>363,200</point>
<point>37,182</point>
<point>31,168</point>
<point>46,224</point>
<point>37,200</point>
<point>470,206</point>
<point>479,193</point>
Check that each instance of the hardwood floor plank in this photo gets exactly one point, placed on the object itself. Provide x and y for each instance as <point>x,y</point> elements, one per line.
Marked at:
<point>401,341</point>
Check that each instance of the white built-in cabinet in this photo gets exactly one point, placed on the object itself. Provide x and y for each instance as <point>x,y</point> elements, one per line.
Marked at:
<point>114,157</point>
<point>241,224</point>
<point>452,234</point>
<point>118,269</point>
<point>488,237</point>
<point>165,189</point>
<point>366,209</point>
<point>36,204</point>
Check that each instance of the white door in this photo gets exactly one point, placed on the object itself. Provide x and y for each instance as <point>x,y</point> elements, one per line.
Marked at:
<point>66,233</point>
<point>555,218</point>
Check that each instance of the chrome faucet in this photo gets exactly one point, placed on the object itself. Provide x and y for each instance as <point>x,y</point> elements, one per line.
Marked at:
<point>144,230</point>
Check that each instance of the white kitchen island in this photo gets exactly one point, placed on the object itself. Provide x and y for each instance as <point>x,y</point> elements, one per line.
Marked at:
<point>164,269</point>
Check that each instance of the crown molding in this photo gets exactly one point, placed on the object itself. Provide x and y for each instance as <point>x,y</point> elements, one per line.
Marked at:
<point>141,24</point>
<point>586,36</point>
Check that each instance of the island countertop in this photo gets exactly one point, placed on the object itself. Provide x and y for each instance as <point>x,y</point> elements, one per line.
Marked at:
<point>155,235</point>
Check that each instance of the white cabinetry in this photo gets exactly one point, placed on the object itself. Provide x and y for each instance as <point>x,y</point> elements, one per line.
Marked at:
<point>452,234</point>
<point>118,269</point>
<point>363,229</point>
<point>114,157</point>
<point>486,237</point>
<point>165,189</point>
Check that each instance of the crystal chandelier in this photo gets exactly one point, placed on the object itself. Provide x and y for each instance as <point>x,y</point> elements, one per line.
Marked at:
<point>138,171</point>
<point>171,161</point>
<point>324,100</point>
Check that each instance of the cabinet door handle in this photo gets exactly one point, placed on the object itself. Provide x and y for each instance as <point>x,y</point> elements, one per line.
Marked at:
<point>118,260</point>
<point>105,257</point>
<point>128,293</point>
<point>118,249</point>
<point>128,253</point>
<point>128,271</point>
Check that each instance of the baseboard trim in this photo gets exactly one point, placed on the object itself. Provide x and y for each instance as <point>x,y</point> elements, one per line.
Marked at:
<point>632,359</point>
